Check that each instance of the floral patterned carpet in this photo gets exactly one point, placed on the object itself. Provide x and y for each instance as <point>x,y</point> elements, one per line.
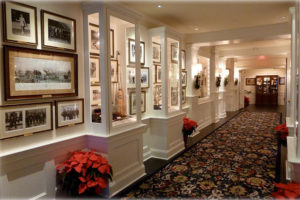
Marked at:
<point>236,161</point>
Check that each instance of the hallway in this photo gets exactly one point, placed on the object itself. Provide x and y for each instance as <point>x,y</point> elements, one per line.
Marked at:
<point>237,160</point>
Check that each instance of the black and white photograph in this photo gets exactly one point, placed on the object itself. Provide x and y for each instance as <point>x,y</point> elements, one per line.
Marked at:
<point>58,31</point>
<point>183,95</point>
<point>114,71</point>
<point>145,77</point>
<point>131,78</point>
<point>94,70</point>
<point>94,42</point>
<point>13,120</point>
<point>20,23</point>
<point>183,59</point>
<point>95,95</point>
<point>25,119</point>
<point>183,78</point>
<point>35,117</point>
<point>158,74</point>
<point>132,102</point>
<point>69,112</point>
<point>174,96</point>
<point>174,53</point>
<point>157,97</point>
<point>156,53</point>
<point>131,51</point>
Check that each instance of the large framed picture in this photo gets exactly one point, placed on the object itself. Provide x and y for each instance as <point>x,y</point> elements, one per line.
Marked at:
<point>25,119</point>
<point>95,98</point>
<point>19,23</point>
<point>69,112</point>
<point>250,81</point>
<point>131,77</point>
<point>58,32</point>
<point>114,71</point>
<point>156,53</point>
<point>94,39</point>
<point>31,73</point>
<point>183,59</point>
<point>132,101</point>
<point>174,96</point>
<point>157,74</point>
<point>183,78</point>
<point>174,53</point>
<point>131,51</point>
<point>94,70</point>
<point>112,43</point>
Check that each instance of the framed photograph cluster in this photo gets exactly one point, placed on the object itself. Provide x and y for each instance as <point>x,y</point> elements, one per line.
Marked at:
<point>132,102</point>
<point>131,77</point>
<point>131,51</point>
<point>25,119</point>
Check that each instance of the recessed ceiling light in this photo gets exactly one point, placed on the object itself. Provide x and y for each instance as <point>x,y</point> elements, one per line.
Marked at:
<point>196,29</point>
<point>283,17</point>
<point>159,6</point>
<point>261,57</point>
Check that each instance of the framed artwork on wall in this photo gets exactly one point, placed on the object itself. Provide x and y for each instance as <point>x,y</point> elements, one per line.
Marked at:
<point>94,70</point>
<point>31,73</point>
<point>144,77</point>
<point>174,53</point>
<point>157,97</point>
<point>112,43</point>
<point>282,81</point>
<point>69,112</point>
<point>94,36</point>
<point>19,23</point>
<point>131,51</point>
<point>132,102</point>
<point>156,53</point>
<point>95,98</point>
<point>183,59</point>
<point>157,74</point>
<point>25,119</point>
<point>58,32</point>
<point>114,71</point>
<point>174,96</point>
<point>183,95</point>
<point>250,81</point>
<point>183,78</point>
<point>131,77</point>
<point>96,114</point>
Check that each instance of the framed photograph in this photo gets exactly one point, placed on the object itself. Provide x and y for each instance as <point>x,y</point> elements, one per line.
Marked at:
<point>281,80</point>
<point>183,59</point>
<point>112,43</point>
<point>19,23</point>
<point>157,74</point>
<point>183,78</point>
<point>250,81</point>
<point>174,96</point>
<point>174,53</point>
<point>94,70</point>
<point>31,73</point>
<point>144,77</point>
<point>94,39</point>
<point>69,112</point>
<point>95,98</point>
<point>131,78</point>
<point>114,71</point>
<point>131,51</point>
<point>157,97</point>
<point>96,114</point>
<point>58,32</point>
<point>25,119</point>
<point>183,95</point>
<point>156,53</point>
<point>132,101</point>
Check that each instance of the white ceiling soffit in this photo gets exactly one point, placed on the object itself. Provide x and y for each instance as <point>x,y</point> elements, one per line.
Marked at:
<point>258,62</point>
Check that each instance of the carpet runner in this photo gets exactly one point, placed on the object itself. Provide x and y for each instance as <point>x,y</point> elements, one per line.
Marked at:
<point>236,161</point>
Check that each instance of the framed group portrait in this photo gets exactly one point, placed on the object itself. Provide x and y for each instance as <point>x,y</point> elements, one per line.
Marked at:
<point>19,23</point>
<point>58,32</point>
<point>131,51</point>
<point>132,102</point>
<point>69,112</point>
<point>25,119</point>
<point>31,73</point>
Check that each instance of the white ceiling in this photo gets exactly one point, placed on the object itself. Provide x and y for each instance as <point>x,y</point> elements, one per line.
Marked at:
<point>210,16</point>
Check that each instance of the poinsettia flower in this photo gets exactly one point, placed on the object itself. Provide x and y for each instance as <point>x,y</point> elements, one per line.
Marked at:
<point>78,168</point>
<point>82,179</point>
<point>92,183</point>
<point>104,169</point>
<point>96,164</point>
<point>82,188</point>
<point>101,182</point>
<point>93,157</point>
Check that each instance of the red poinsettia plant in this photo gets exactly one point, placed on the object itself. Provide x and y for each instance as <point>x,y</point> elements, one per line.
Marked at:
<point>284,131</point>
<point>287,191</point>
<point>85,172</point>
<point>189,126</point>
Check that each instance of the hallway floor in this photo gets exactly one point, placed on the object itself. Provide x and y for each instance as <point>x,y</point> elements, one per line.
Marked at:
<point>237,160</point>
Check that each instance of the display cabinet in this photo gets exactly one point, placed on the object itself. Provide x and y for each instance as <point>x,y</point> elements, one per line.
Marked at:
<point>267,90</point>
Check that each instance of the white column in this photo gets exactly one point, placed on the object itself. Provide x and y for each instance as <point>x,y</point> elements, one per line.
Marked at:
<point>212,85</point>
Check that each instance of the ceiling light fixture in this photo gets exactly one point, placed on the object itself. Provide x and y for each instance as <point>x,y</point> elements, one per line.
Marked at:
<point>196,29</point>
<point>261,57</point>
<point>159,6</point>
<point>283,17</point>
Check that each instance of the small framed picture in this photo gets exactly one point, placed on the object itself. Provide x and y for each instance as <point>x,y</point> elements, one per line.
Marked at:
<point>157,74</point>
<point>174,96</point>
<point>94,70</point>
<point>131,51</point>
<point>95,98</point>
<point>144,77</point>
<point>156,53</point>
<point>25,119</point>
<point>157,97</point>
<point>112,43</point>
<point>19,23</point>
<point>114,71</point>
<point>282,81</point>
<point>183,59</point>
<point>69,112</point>
<point>250,81</point>
<point>94,42</point>
<point>96,114</point>
<point>183,95</point>
<point>174,53</point>
<point>131,78</point>
<point>183,78</point>
<point>132,102</point>
<point>58,32</point>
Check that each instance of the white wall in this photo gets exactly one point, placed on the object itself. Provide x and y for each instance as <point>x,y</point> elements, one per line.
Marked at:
<point>252,73</point>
